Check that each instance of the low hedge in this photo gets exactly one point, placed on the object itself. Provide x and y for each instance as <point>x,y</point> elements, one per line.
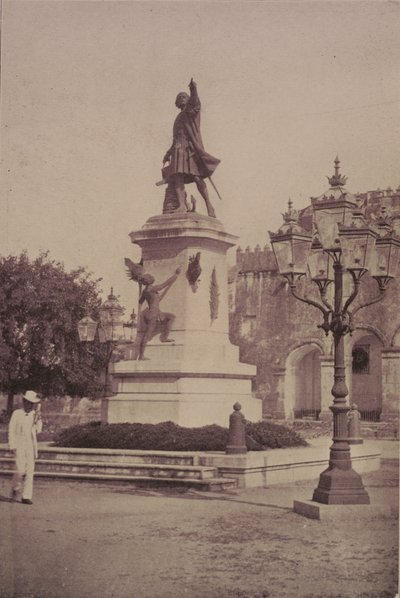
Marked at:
<point>168,436</point>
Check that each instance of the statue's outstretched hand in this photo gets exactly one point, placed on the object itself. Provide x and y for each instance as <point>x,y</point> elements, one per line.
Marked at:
<point>178,270</point>
<point>192,83</point>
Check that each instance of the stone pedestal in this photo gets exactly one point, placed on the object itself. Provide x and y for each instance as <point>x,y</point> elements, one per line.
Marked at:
<point>390,382</point>
<point>327,370</point>
<point>195,380</point>
<point>282,409</point>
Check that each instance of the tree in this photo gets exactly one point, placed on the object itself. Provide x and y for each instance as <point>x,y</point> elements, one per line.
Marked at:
<point>40,306</point>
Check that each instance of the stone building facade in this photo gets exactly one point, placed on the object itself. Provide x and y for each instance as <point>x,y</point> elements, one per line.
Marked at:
<point>294,358</point>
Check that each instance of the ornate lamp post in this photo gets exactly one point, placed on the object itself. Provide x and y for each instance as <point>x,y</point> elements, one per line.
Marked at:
<point>342,242</point>
<point>110,331</point>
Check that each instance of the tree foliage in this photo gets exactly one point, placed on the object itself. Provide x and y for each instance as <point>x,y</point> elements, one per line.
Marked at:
<point>40,306</point>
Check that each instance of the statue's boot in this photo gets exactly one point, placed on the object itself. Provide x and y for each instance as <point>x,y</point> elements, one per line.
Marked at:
<point>210,210</point>
<point>202,188</point>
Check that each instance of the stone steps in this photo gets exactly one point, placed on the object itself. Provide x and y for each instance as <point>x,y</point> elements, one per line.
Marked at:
<point>101,467</point>
<point>127,457</point>
<point>120,466</point>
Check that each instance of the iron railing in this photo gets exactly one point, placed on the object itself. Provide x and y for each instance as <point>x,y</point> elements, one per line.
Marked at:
<point>307,413</point>
<point>370,415</point>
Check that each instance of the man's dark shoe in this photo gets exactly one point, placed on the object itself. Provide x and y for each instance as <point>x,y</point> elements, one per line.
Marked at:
<point>26,501</point>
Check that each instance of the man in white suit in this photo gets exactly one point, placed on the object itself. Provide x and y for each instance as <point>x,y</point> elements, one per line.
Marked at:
<point>25,424</point>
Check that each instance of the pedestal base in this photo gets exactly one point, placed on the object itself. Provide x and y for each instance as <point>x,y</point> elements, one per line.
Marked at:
<point>184,391</point>
<point>186,410</point>
<point>314,510</point>
<point>340,487</point>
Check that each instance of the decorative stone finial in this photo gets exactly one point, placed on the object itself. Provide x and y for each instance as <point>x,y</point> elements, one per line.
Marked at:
<point>353,426</point>
<point>237,432</point>
<point>291,216</point>
<point>383,220</point>
<point>290,223</point>
<point>337,180</point>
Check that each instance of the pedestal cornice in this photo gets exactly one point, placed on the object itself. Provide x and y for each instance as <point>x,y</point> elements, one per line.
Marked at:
<point>183,228</point>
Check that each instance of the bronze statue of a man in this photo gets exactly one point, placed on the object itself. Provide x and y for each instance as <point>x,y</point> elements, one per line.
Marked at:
<point>187,160</point>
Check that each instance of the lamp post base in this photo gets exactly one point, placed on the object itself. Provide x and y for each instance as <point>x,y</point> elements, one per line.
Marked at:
<point>340,487</point>
<point>339,484</point>
<point>335,513</point>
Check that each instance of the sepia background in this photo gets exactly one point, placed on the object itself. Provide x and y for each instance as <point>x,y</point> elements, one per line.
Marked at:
<point>87,107</point>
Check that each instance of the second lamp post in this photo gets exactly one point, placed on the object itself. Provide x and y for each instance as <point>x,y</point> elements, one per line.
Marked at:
<point>110,331</point>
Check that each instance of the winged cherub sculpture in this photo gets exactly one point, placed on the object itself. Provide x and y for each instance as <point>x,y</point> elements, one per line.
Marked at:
<point>151,319</point>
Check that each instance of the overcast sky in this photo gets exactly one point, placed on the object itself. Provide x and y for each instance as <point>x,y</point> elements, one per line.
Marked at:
<point>87,107</point>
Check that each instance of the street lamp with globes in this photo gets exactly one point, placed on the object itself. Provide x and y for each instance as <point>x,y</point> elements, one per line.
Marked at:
<point>110,330</point>
<point>342,241</point>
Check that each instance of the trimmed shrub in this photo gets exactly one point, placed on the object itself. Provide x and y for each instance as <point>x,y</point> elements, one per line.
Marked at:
<point>269,435</point>
<point>168,436</point>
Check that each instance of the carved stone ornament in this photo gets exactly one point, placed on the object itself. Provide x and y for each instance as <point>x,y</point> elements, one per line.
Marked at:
<point>193,272</point>
<point>214,296</point>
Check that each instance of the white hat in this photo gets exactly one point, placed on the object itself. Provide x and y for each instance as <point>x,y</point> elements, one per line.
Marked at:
<point>31,396</point>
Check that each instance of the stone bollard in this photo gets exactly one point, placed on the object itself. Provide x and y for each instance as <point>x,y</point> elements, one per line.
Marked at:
<point>237,432</point>
<point>353,426</point>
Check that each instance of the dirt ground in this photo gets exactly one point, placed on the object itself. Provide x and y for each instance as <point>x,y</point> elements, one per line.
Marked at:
<point>98,541</point>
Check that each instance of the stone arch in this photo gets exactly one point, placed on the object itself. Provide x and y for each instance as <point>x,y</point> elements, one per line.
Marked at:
<point>307,342</point>
<point>302,386</point>
<point>372,330</point>
<point>395,340</point>
<point>366,388</point>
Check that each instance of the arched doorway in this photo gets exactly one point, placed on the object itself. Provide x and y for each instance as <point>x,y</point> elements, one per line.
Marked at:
<point>303,382</point>
<point>366,376</point>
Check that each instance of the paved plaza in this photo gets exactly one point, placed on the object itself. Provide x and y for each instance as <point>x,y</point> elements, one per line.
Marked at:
<point>94,540</point>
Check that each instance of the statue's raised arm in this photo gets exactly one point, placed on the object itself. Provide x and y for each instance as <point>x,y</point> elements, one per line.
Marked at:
<point>194,100</point>
<point>186,159</point>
